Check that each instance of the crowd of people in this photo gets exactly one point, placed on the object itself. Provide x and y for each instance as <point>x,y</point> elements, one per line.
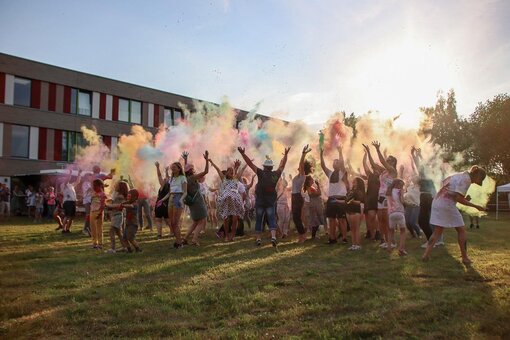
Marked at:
<point>391,200</point>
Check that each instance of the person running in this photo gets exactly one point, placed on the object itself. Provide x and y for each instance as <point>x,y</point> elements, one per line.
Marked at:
<point>69,200</point>
<point>337,190</point>
<point>230,200</point>
<point>265,191</point>
<point>387,173</point>
<point>196,202</point>
<point>444,208</point>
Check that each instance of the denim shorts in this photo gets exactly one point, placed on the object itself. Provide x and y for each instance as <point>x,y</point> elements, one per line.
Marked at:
<point>175,200</point>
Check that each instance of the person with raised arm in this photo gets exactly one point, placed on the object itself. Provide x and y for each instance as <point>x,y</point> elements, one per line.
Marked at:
<point>265,201</point>
<point>197,205</point>
<point>371,198</point>
<point>444,208</point>
<point>175,197</point>
<point>69,205</point>
<point>387,173</point>
<point>337,190</point>
<point>297,200</point>
<point>161,210</point>
<point>230,201</point>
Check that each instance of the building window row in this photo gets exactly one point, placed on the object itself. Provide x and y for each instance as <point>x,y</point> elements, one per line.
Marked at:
<point>27,93</point>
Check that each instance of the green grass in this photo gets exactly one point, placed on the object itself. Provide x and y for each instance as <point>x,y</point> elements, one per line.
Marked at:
<point>55,286</point>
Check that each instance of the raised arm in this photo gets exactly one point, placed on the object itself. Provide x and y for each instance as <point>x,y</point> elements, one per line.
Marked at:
<point>184,156</point>
<point>248,188</point>
<point>341,159</point>
<point>247,159</point>
<point>306,150</point>
<point>386,165</point>
<point>217,169</point>
<point>242,170</point>
<point>284,159</point>
<point>368,172</point>
<point>323,164</point>
<point>206,170</point>
<point>375,167</point>
<point>160,177</point>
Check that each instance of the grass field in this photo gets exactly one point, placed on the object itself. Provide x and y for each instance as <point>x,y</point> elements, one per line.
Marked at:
<point>55,286</point>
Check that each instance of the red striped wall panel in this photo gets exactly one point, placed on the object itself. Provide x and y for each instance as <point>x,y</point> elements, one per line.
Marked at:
<point>36,94</point>
<point>57,147</point>
<point>102,106</point>
<point>52,97</point>
<point>115,108</point>
<point>43,141</point>
<point>2,87</point>
<point>156,115</point>
<point>67,99</point>
<point>107,140</point>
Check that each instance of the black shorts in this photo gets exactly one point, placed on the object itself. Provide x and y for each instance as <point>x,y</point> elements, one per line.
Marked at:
<point>161,211</point>
<point>371,203</point>
<point>69,209</point>
<point>335,209</point>
<point>353,208</point>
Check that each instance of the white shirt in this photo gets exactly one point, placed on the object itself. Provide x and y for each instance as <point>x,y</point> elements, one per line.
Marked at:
<point>412,196</point>
<point>176,184</point>
<point>458,183</point>
<point>69,192</point>
<point>338,188</point>
<point>86,188</point>
<point>394,203</point>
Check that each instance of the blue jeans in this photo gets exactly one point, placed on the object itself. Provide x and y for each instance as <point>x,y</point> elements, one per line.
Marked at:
<point>269,212</point>
<point>412,212</point>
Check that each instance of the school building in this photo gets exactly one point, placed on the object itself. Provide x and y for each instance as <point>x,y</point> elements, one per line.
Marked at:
<point>42,108</point>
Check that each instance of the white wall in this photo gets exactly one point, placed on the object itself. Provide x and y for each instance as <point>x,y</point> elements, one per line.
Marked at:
<point>33,149</point>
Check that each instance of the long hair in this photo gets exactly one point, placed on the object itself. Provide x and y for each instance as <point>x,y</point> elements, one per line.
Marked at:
<point>179,165</point>
<point>123,188</point>
<point>360,184</point>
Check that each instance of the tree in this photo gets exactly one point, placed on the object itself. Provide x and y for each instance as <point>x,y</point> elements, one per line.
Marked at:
<point>444,127</point>
<point>490,131</point>
<point>351,121</point>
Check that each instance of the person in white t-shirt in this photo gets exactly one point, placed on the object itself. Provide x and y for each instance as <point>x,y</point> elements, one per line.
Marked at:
<point>68,190</point>
<point>444,208</point>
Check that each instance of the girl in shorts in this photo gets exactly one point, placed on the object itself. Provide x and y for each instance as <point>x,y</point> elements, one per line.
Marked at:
<point>117,214</point>
<point>396,211</point>
<point>131,226</point>
<point>355,199</point>
<point>161,209</point>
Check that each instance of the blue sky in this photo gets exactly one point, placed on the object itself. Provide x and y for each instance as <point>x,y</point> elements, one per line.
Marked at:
<point>299,59</point>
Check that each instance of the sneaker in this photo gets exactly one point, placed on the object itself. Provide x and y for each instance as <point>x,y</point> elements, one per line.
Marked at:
<point>471,226</point>
<point>425,245</point>
<point>99,247</point>
<point>402,253</point>
<point>344,241</point>
<point>377,235</point>
<point>330,241</point>
<point>111,251</point>
<point>138,250</point>
<point>477,227</point>
<point>274,242</point>
<point>93,246</point>
<point>353,247</point>
<point>439,243</point>
<point>383,245</point>
<point>393,245</point>
<point>179,246</point>
<point>84,232</point>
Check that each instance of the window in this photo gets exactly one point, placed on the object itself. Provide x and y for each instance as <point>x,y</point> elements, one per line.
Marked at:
<point>22,91</point>
<point>71,143</point>
<point>130,111</point>
<point>172,116</point>
<point>20,141</point>
<point>81,102</point>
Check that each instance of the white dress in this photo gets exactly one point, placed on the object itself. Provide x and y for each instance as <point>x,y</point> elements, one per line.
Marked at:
<point>444,210</point>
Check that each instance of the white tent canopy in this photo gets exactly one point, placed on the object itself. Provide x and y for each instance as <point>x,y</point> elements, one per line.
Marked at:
<point>501,188</point>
